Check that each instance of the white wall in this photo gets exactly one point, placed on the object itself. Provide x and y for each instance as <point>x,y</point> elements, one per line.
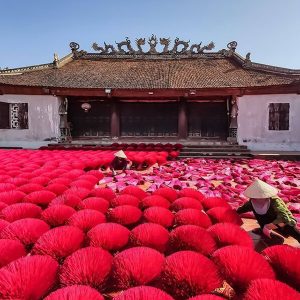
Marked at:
<point>43,121</point>
<point>253,123</point>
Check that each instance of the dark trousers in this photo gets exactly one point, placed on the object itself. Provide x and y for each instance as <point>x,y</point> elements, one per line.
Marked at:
<point>289,231</point>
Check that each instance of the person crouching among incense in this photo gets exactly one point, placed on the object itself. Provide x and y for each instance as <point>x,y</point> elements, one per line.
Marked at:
<point>269,210</point>
<point>119,163</point>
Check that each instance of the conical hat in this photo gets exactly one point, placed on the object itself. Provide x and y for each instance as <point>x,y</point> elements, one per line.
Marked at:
<point>259,189</point>
<point>120,154</point>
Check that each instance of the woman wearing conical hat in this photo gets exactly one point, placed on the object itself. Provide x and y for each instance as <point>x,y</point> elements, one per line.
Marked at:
<point>120,162</point>
<point>269,210</point>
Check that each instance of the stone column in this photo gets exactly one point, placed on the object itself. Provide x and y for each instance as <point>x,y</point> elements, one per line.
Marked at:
<point>64,126</point>
<point>233,121</point>
<point>182,120</point>
<point>115,119</point>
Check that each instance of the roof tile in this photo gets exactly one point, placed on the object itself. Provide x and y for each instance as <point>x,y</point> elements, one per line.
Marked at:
<point>148,74</point>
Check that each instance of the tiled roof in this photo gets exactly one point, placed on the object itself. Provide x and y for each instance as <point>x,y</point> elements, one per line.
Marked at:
<point>133,73</point>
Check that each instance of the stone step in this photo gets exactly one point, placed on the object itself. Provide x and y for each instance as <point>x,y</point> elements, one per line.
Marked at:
<point>281,156</point>
<point>235,149</point>
<point>214,153</point>
<point>11,147</point>
<point>218,157</point>
<point>227,146</point>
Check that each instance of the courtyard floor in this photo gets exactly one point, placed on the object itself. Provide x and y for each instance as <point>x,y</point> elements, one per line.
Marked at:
<point>64,223</point>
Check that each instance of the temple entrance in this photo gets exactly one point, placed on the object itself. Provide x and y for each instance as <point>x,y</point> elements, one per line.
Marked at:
<point>208,119</point>
<point>94,122</point>
<point>146,119</point>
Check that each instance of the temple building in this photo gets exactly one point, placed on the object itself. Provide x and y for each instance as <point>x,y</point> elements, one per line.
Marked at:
<point>153,90</point>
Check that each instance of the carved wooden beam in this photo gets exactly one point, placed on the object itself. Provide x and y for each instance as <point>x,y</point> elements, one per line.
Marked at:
<point>149,93</point>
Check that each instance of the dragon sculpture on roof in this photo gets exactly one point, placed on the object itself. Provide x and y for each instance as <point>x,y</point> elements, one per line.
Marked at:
<point>179,47</point>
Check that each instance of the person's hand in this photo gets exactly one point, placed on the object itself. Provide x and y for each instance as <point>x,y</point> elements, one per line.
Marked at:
<point>268,229</point>
<point>271,226</point>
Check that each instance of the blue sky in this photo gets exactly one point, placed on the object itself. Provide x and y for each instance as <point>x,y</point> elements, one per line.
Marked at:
<point>32,30</point>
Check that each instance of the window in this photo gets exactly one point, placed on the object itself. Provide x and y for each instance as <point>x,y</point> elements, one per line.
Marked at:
<point>13,115</point>
<point>279,116</point>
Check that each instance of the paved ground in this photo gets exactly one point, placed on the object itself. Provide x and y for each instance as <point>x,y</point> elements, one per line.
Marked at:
<point>262,242</point>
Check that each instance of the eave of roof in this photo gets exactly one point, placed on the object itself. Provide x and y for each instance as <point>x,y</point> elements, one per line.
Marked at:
<point>79,69</point>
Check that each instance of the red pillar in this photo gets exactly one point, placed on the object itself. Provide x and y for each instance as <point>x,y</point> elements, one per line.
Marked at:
<point>115,119</point>
<point>182,119</point>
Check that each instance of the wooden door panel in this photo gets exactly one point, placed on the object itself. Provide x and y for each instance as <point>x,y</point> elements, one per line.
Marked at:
<point>149,119</point>
<point>207,119</point>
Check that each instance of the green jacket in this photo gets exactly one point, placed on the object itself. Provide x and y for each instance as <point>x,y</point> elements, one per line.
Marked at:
<point>277,213</point>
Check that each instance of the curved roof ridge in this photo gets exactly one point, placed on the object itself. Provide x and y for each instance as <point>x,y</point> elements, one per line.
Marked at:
<point>55,64</point>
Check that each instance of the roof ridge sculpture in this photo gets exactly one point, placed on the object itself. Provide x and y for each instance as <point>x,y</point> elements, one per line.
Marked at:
<point>186,51</point>
<point>179,47</point>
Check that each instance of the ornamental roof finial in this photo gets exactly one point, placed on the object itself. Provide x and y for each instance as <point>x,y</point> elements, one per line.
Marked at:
<point>55,60</point>
<point>247,62</point>
<point>74,46</point>
<point>232,46</point>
